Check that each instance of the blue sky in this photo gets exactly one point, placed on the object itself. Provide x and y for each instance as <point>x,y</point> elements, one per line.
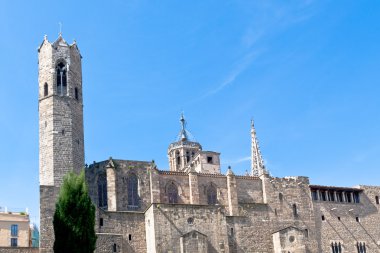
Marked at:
<point>306,71</point>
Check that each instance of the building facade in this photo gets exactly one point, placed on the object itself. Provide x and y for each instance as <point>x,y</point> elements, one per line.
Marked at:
<point>15,230</point>
<point>193,207</point>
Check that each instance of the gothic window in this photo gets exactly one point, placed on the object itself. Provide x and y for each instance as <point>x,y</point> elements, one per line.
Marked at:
<point>76,93</point>
<point>133,196</point>
<point>178,158</point>
<point>336,247</point>
<point>377,200</point>
<point>46,89</point>
<point>102,191</point>
<point>61,79</point>
<point>187,156</point>
<point>361,247</point>
<point>172,192</point>
<point>211,195</point>
<point>295,212</point>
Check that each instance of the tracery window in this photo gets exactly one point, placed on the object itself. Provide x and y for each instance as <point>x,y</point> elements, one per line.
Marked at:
<point>211,195</point>
<point>336,247</point>
<point>361,247</point>
<point>61,79</point>
<point>172,192</point>
<point>102,191</point>
<point>133,196</point>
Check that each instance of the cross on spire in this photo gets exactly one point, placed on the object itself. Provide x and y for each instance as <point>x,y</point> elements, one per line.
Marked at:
<point>60,28</point>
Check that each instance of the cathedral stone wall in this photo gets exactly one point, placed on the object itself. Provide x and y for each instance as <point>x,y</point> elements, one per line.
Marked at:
<point>173,221</point>
<point>249,189</point>
<point>129,226</point>
<point>350,223</point>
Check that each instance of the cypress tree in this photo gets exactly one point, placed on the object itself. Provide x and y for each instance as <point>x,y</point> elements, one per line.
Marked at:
<point>74,217</point>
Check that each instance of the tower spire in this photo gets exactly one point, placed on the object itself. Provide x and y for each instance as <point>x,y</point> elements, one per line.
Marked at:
<point>183,133</point>
<point>257,162</point>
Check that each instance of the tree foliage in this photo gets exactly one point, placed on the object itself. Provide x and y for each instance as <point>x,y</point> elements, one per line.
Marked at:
<point>74,217</point>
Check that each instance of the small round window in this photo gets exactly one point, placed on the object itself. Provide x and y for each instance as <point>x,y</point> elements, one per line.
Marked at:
<point>190,221</point>
<point>292,238</point>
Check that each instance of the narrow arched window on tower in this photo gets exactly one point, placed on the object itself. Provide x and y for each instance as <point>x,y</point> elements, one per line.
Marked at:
<point>187,156</point>
<point>295,212</point>
<point>211,195</point>
<point>133,196</point>
<point>61,79</point>
<point>76,93</point>
<point>178,158</point>
<point>172,193</point>
<point>102,191</point>
<point>281,197</point>
<point>46,89</point>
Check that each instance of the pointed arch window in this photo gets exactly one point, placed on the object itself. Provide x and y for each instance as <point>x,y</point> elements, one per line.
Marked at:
<point>61,79</point>
<point>133,196</point>
<point>102,191</point>
<point>172,192</point>
<point>211,195</point>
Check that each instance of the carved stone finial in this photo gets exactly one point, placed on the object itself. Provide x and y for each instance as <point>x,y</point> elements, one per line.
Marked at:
<point>229,171</point>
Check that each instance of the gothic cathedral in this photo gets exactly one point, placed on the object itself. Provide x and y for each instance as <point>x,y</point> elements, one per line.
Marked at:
<point>193,207</point>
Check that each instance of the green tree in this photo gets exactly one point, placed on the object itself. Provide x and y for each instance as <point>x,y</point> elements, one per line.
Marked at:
<point>74,217</point>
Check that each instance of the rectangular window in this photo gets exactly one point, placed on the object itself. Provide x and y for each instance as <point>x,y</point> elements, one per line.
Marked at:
<point>14,230</point>
<point>356,197</point>
<point>314,195</point>
<point>209,159</point>
<point>331,196</point>
<point>13,242</point>
<point>323,195</point>
<point>339,196</point>
<point>348,197</point>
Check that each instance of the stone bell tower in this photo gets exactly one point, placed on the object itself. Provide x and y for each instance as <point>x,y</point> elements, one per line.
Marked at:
<point>61,140</point>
